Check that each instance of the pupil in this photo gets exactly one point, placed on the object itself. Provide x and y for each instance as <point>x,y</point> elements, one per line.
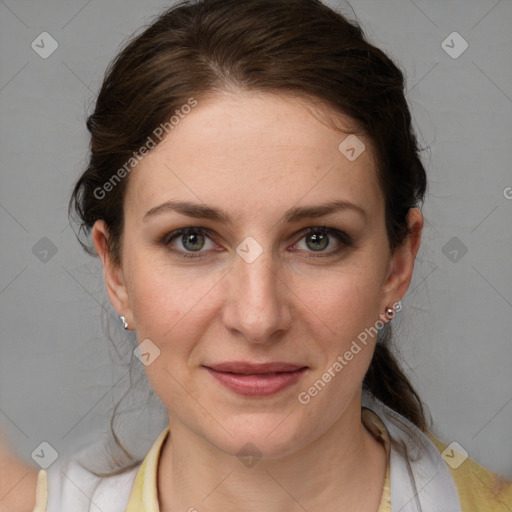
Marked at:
<point>320,240</point>
<point>193,240</point>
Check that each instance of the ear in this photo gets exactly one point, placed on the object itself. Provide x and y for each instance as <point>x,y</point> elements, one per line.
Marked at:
<point>112,272</point>
<point>402,261</point>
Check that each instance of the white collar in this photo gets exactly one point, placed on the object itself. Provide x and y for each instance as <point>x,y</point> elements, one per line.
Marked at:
<point>428,485</point>
<point>421,485</point>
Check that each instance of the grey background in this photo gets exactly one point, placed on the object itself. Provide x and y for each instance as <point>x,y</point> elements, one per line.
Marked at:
<point>57,380</point>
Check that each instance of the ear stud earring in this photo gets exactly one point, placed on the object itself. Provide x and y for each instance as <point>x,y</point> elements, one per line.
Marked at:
<point>125,323</point>
<point>390,312</point>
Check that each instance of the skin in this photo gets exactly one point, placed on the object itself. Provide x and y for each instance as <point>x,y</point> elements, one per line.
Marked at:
<point>17,481</point>
<point>255,156</point>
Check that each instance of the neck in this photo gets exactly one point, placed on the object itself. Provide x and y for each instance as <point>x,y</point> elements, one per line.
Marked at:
<point>343,469</point>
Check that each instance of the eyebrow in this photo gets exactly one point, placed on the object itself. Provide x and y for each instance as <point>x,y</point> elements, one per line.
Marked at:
<point>295,214</point>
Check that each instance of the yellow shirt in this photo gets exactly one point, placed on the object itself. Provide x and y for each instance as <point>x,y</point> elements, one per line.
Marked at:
<point>479,490</point>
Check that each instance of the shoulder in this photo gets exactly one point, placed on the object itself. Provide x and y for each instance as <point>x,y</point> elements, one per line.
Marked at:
<point>479,489</point>
<point>71,486</point>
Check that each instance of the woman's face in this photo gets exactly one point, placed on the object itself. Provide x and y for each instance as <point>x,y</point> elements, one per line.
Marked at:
<point>256,171</point>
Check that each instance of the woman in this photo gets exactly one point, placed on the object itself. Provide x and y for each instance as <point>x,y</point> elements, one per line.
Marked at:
<point>253,194</point>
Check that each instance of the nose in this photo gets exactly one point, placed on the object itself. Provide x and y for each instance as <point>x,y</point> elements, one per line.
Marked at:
<point>257,303</point>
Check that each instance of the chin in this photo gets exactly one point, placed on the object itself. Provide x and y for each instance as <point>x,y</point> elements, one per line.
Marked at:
<point>267,435</point>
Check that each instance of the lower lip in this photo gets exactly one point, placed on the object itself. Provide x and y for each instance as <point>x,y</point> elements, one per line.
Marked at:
<point>257,384</point>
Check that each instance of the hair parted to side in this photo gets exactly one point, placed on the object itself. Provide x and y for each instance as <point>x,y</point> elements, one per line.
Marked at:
<point>298,48</point>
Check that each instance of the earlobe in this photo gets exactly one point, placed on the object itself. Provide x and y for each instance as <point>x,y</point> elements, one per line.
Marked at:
<point>403,258</point>
<point>112,273</point>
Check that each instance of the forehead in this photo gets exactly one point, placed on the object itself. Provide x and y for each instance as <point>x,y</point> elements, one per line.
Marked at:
<point>248,150</point>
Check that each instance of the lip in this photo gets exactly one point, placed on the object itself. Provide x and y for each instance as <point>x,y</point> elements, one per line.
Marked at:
<point>245,367</point>
<point>251,379</point>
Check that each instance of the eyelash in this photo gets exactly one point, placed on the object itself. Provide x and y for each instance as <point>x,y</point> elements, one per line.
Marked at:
<point>345,240</point>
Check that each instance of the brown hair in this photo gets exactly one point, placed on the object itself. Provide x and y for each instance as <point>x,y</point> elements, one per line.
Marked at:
<point>291,47</point>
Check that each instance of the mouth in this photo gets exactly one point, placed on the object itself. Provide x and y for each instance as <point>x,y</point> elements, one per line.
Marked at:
<point>249,379</point>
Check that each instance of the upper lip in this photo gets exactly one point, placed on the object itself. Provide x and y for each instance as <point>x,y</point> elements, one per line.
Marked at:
<point>245,367</point>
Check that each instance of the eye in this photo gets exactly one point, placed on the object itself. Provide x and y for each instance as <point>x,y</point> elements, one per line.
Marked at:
<point>192,240</point>
<point>318,239</point>
<point>187,241</point>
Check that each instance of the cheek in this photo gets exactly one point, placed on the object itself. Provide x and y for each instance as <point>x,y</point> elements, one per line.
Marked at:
<point>342,303</point>
<point>171,303</point>
<point>164,298</point>
<point>346,310</point>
